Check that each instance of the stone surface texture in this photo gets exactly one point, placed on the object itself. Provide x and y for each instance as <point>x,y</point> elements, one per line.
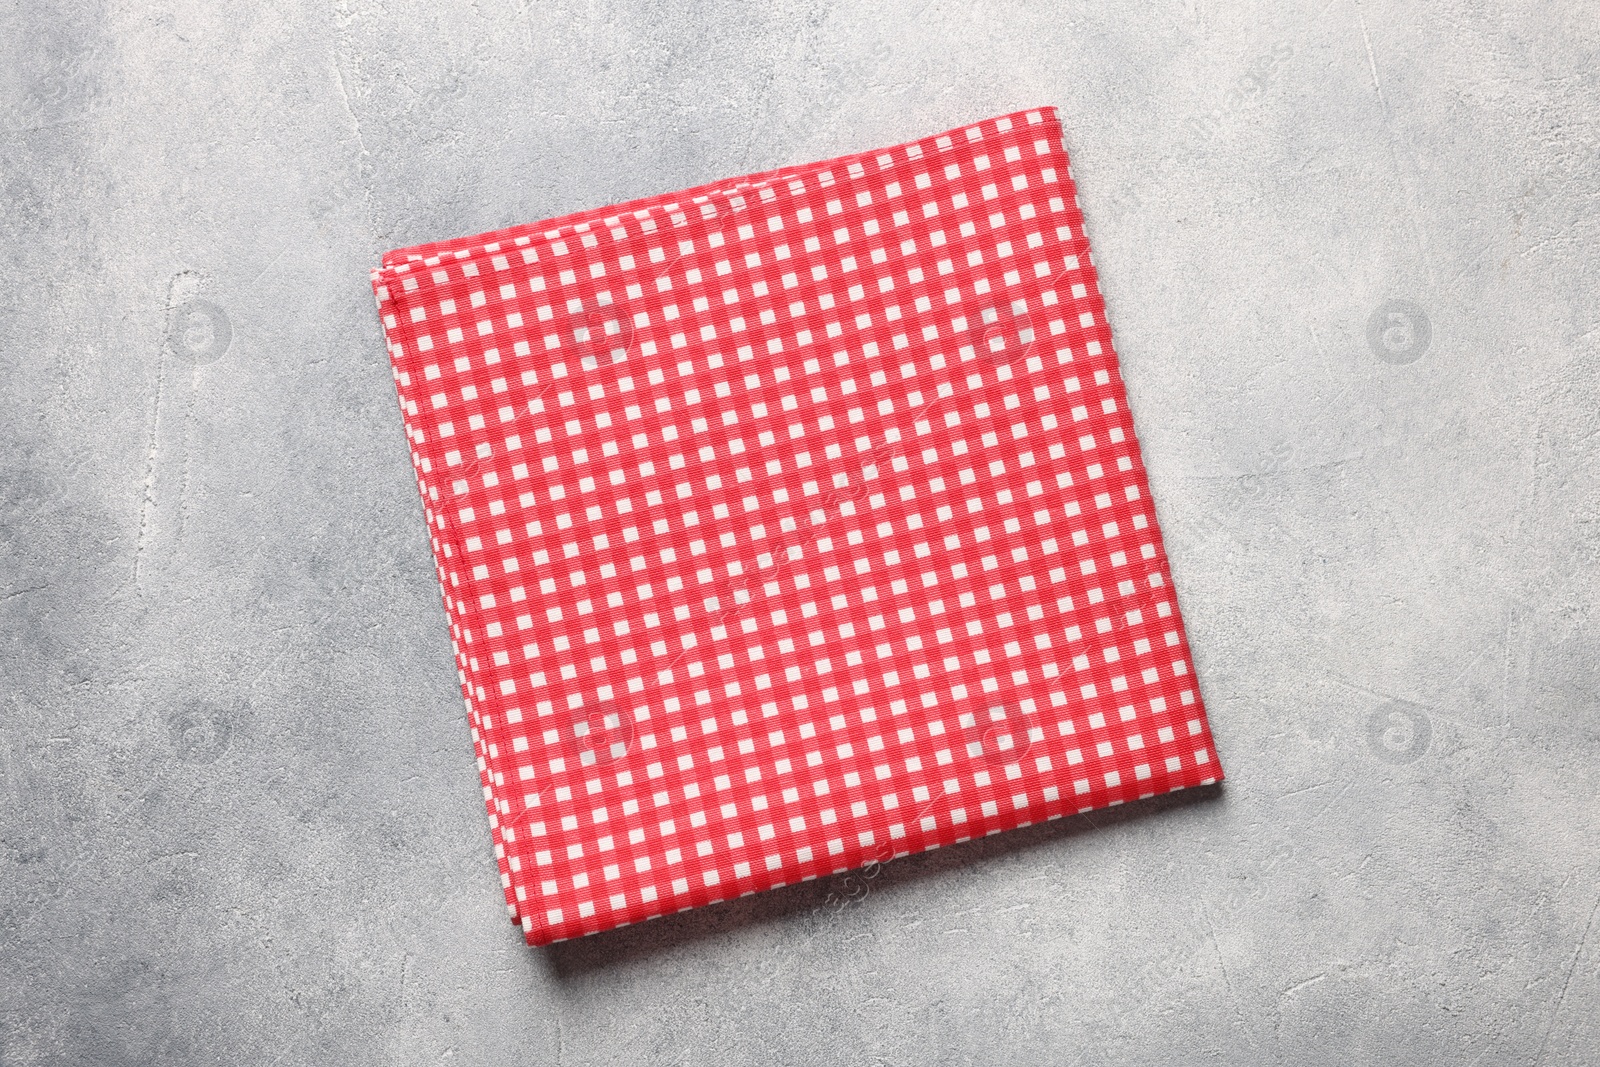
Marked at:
<point>1351,251</point>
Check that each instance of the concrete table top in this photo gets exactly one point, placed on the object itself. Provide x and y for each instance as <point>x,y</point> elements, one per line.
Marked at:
<point>1351,252</point>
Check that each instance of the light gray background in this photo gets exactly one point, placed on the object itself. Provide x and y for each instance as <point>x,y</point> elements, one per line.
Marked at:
<point>239,819</point>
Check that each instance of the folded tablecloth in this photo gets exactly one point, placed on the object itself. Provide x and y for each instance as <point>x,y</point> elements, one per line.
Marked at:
<point>789,524</point>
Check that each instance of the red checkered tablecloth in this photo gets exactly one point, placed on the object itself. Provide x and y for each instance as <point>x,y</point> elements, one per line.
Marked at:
<point>789,524</point>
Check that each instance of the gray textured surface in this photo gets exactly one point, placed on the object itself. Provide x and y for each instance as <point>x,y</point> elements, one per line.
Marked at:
<point>239,821</point>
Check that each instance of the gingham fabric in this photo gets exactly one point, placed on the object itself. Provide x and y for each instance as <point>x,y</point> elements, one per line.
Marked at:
<point>789,524</point>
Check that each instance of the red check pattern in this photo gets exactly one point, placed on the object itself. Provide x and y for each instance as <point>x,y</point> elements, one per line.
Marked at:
<point>790,523</point>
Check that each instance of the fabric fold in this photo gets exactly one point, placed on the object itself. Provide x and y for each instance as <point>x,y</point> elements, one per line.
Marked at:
<point>790,523</point>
